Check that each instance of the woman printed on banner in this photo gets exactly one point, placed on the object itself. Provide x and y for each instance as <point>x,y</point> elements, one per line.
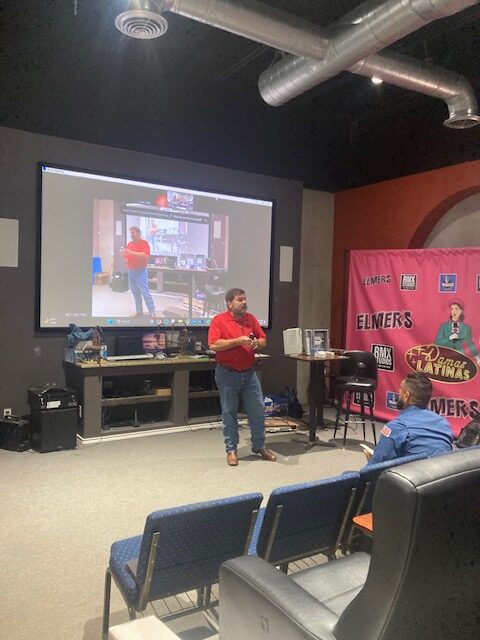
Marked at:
<point>456,334</point>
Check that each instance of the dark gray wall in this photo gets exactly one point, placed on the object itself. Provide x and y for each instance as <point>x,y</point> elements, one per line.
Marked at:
<point>29,358</point>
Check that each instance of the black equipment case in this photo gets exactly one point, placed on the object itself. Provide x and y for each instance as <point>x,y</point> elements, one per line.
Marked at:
<point>119,281</point>
<point>53,418</point>
<point>48,398</point>
<point>15,434</point>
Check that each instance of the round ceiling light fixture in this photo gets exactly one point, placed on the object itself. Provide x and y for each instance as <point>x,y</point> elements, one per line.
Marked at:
<point>462,121</point>
<point>141,24</point>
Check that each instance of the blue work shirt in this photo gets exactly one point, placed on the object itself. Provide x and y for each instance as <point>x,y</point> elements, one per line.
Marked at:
<point>413,431</point>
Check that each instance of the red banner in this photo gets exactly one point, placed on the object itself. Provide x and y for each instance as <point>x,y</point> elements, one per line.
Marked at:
<point>419,310</point>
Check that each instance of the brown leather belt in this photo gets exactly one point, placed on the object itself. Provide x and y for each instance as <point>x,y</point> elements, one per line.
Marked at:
<point>234,370</point>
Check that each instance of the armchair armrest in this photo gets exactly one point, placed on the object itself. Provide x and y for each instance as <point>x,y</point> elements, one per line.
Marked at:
<point>257,601</point>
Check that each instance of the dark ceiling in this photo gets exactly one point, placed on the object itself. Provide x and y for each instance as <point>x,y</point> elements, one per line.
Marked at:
<point>66,71</point>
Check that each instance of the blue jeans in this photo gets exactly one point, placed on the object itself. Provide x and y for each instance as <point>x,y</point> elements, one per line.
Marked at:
<point>138,283</point>
<point>236,386</point>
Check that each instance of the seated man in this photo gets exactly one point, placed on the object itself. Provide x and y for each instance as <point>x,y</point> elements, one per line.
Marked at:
<point>416,429</point>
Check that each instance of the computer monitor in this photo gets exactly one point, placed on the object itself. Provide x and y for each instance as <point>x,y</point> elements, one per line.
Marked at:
<point>187,261</point>
<point>128,345</point>
<point>200,262</point>
<point>153,342</point>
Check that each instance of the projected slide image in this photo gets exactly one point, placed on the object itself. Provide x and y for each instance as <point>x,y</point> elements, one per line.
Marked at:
<point>164,262</point>
<point>137,253</point>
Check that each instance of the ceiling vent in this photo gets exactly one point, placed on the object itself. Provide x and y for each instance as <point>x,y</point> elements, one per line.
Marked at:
<point>141,24</point>
<point>462,122</point>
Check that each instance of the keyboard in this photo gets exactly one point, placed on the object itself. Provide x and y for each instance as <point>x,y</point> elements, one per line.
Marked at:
<point>140,356</point>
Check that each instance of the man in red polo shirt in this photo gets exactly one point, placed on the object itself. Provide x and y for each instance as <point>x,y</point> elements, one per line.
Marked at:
<point>235,336</point>
<point>136,255</point>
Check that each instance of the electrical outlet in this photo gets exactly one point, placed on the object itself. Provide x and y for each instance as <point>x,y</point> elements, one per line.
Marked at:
<point>7,412</point>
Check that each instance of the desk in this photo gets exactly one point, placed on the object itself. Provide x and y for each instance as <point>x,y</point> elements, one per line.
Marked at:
<point>317,392</point>
<point>181,281</point>
<point>364,523</point>
<point>176,402</point>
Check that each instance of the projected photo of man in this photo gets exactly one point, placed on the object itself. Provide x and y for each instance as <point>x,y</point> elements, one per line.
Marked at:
<point>136,256</point>
<point>152,232</point>
<point>455,334</point>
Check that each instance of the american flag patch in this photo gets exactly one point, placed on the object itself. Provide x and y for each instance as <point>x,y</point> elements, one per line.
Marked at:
<point>386,431</point>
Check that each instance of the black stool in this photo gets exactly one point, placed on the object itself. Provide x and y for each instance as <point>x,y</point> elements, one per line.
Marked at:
<point>358,374</point>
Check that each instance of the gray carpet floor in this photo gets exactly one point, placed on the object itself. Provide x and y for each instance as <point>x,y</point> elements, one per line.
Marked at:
<point>61,511</point>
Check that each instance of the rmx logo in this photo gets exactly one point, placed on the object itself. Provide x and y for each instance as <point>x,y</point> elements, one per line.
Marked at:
<point>408,282</point>
<point>392,400</point>
<point>384,356</point>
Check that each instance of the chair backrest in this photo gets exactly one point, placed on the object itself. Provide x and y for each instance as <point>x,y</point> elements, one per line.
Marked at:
<point>303,519</point>
<point>360,363</point>
<point>217,277</point>
<point>423,580</point>
<point>369,476</point>
<point>193,542</point>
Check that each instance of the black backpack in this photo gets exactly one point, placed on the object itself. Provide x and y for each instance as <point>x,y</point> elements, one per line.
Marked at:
<point>469,436</point>
<point>294,407</point>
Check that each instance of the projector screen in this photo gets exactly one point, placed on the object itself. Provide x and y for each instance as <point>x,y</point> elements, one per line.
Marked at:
<point>119,252</point>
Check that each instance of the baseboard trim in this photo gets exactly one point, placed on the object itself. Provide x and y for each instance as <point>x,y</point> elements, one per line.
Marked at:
<point>111,437</point>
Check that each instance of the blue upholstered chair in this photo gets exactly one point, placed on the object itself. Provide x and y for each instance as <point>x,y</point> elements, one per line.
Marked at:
<point>181,549</point>
<point>366,489</point>
<point>420,582</point>
<point>302,520</point>
<point>369,476</point>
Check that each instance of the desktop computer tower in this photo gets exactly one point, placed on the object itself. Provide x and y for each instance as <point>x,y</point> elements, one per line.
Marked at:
<point>54,430</point>
<point>321,339</point>
<point>292,341</point>
<point>316,340</point>
<point>308,341</point>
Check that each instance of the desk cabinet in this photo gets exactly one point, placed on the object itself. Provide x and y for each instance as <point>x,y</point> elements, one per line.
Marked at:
<point>122,397</point>
<point>170,281</point>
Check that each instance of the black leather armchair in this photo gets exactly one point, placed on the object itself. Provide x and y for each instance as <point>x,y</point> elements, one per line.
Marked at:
<point>421,582</point>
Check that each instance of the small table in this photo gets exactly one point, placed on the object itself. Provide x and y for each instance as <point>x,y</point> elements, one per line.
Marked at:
<point>364,523</point>
<point>316,395</point>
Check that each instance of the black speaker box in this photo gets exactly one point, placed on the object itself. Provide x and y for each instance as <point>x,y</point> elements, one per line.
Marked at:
<point>54,430</point>
<point>15,434</point>
<point>119,281</point>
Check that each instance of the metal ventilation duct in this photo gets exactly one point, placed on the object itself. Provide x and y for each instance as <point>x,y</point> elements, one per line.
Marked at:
<point>322,54</point>
<point>255,21</point>
<point>403,71</point>
<point>361,33</point>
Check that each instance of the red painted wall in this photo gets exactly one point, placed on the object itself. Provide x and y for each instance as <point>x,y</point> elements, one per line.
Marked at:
<point>396,214</point>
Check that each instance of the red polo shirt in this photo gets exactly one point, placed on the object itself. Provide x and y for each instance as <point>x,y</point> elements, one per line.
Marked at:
<point>138,262</point>
<point>225,327</point>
